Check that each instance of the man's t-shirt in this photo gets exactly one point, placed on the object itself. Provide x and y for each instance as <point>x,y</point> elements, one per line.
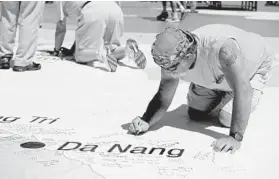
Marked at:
<point>207,70</point>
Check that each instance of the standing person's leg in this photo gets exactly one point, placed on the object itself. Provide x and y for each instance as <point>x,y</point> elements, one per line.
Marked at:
<point>194,7</point>
<point>174,17</point>
<point>182,9</point>
<point>29,21</point>
<point>8,24</point>
<point>180,4</point>
<point>164,14</point>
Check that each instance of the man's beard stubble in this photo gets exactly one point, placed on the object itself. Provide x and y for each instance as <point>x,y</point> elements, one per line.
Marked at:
<point>176,75</point>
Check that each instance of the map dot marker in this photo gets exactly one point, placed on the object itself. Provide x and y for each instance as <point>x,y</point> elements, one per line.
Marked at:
<point>32,145</point>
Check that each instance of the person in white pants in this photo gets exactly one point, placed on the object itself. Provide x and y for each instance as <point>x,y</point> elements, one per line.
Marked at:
<point>26,15</point>
<point>99,29</point>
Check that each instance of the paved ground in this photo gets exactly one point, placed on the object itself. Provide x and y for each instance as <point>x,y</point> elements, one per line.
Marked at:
<point>140,17</point>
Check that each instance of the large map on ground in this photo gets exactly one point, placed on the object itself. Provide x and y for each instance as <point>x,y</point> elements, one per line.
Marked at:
<point>71,121</point>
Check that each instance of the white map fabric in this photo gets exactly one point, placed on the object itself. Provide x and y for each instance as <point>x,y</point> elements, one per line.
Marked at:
<point>70,121</point>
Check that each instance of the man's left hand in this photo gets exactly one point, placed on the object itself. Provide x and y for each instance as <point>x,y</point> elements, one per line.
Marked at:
<point>226,144</point>
<point>55,53</point>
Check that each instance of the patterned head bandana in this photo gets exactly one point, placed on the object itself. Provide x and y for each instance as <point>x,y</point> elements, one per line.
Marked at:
<point>171,46</point>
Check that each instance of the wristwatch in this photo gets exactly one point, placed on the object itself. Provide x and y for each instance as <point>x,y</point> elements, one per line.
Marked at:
<point>237,136</point>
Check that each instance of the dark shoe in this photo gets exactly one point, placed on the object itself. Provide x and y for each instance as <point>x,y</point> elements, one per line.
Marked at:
<point>32,67</point>
<point>163,16</point>
<point>5,62</point>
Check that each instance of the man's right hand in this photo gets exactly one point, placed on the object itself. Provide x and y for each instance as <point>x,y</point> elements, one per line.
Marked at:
<point>55,53</point>
<point>138,126</point>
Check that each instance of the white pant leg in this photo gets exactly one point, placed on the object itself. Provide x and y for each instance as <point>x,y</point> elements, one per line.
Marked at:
<point>115,25</point>
<point>8,25</point>
<point>29,21</point>
<point>101,23</point>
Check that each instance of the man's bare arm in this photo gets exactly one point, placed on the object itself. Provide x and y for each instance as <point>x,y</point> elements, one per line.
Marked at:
<point>162,99</point>
<point>60,33</point>
<point>233,66</point>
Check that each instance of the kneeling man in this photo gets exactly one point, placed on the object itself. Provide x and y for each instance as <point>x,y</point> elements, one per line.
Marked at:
<point>227,67</point>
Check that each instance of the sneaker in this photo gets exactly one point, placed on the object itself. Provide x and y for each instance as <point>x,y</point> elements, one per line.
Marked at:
<point>194,11</point>
<point>5,62</point>
<point>163,16</point>
<point>32,67</point>
<point>111,60</point>
<point>174,18</point>
<point>134,54</point>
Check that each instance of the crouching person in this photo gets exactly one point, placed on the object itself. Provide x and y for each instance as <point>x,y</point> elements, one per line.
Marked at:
<point>99,29</point>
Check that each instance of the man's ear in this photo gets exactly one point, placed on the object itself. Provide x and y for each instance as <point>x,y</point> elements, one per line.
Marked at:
<point>189,55</point>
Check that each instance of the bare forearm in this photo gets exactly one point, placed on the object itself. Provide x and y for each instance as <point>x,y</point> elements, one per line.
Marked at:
<point>59,34</point>
<point>156,109</point>
<point>241,111</point>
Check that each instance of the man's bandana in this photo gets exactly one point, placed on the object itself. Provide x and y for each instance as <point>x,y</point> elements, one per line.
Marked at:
<point>171,46</point>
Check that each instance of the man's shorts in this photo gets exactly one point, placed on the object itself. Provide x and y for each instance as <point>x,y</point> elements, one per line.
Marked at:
<point>100,24</point>
<point>209,101</point>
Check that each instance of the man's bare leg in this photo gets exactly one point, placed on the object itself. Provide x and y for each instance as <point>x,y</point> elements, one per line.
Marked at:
<point>225,118</point>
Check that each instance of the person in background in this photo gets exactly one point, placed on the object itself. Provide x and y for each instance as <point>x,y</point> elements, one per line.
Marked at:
<point>97,38</point>
<point>164,16</point>
<point>182,6</point>
<point>26,15</point>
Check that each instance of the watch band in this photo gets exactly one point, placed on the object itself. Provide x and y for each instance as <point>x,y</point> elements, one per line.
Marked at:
<point>56,52</point>
<point>237,136</point>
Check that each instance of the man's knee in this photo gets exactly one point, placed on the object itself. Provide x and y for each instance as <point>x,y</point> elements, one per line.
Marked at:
<point>197,115</point>
<point>225,118</point>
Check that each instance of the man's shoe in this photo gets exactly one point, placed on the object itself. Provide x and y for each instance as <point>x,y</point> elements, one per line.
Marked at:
<point>5,62</point>
<point>134,54</point>
<point>32,67</point>
<point>163,16</point>
<point>112,62</point>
